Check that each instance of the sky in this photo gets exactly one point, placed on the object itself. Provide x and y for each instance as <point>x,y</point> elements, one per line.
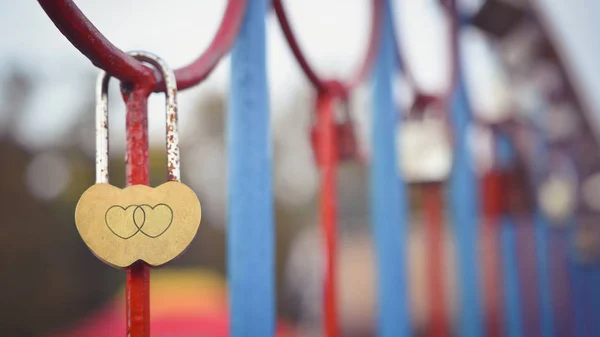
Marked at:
<point>332,32</point>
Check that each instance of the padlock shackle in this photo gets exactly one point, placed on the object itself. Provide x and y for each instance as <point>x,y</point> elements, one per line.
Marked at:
<point>172,142</point>
<point>102,127</point>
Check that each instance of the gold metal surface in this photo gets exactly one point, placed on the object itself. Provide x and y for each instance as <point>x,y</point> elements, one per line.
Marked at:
<point>122,226</point>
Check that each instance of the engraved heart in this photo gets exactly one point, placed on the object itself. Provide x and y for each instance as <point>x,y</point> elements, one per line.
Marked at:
<point>124,222</point>
<point>158,219</point>
<point>122,226</point>
<point>152,221</point>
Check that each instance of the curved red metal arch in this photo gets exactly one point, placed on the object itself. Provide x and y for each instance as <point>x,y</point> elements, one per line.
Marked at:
<point>318,82</point>
<point>78,29</point>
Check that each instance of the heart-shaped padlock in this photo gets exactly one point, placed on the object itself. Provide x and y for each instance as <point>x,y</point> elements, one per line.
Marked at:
<point>155,225</point>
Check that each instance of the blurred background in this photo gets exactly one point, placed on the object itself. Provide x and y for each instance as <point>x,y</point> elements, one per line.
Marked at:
<point>530,67</point>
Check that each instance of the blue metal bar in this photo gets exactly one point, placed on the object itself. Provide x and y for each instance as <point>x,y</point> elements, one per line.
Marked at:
<point>389,213</point>
<point>577,281</point>
<point>541,228</point>
<point>581,276</point>
<point>587,303</point>
<point>512,301</point>
<point>250,246</point>
<point>562,287</point>
<point>542,236</point>
<point>595,295</point>
<point>465,217</point>
<point>508,239</point>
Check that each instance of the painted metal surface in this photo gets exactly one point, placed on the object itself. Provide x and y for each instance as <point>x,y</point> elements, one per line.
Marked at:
<point>505,157</point>
<point>251,232</point>
<point>465,217</point>
<point>320,83</point>
<point>510,278</point>
<point>327,157</point>
<point>82,33</point>
<point>493,206</point>
<point>389,213</point>
<point>137,167</point>
<point>172,130</point>
<point>542,238</point>
<point>137,286</point>
<point>433,208</point>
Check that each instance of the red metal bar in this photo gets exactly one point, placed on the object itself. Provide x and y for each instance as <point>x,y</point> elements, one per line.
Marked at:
<point>433,207</point>
<point>327,157</point>
<point>76,27</point>
<point>492,283</point>
<point>319,83</point>
<point>138,173</point>
<point>494,205</point>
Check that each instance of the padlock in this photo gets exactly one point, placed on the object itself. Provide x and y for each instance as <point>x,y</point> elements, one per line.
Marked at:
<point>344,133</point>
<point>424,145</point>
<point>348,147</point>
<point>154,225</point>
<point>557,190</point>
<point>557,197</point>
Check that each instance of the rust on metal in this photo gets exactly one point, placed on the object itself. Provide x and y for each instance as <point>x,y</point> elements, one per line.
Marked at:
<point>172,139</point>
<point>137,168</point>
<point>102,128</point>
<point>137,150</point>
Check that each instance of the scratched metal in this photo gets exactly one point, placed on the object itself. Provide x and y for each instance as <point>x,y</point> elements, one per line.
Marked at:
<point>172,142</point>
<point>173,163</point>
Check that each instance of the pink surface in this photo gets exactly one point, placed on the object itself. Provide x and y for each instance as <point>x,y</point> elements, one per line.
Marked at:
<point>110,322</point>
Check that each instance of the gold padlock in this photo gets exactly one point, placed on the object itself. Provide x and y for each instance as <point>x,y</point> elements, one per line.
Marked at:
<point>155,225</point>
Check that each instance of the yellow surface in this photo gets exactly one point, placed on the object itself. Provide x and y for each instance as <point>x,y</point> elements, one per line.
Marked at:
<point>177,291</point>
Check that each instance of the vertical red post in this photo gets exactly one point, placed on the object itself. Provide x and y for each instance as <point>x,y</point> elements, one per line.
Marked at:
<point>137,173</point>
<point>493,207</point>
<point>434,232</point>
<point>327,158</point>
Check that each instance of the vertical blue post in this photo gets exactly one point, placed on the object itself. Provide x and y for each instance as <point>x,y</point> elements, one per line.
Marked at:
<point>508,233</point>
<point>465,218</point>
<point>595,295</point>
<point>579,277</point>
<point>389,214</point>
<point>542,253</point>
<point>578,282</point>
<point>250,244</point>
<point>512,302</point>
<point>541,227</point>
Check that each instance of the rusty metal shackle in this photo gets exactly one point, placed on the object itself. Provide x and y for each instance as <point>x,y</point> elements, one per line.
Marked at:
<point>173,163</point>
